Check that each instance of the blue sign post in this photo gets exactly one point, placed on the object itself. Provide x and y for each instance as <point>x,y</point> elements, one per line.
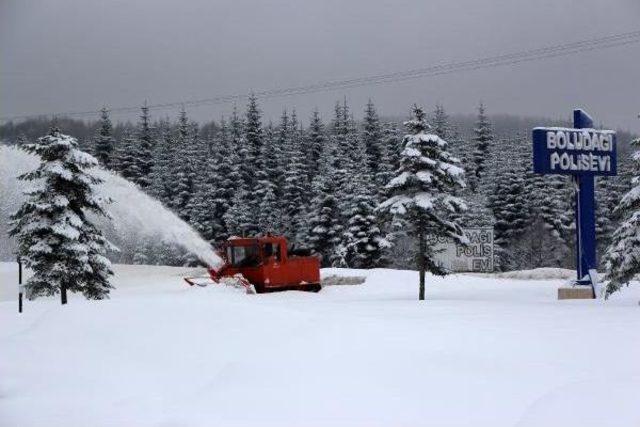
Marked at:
<point>582,152</point>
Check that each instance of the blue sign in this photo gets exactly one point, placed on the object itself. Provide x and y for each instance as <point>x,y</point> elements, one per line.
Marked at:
<point>569,151</point>
<point>583,152</point>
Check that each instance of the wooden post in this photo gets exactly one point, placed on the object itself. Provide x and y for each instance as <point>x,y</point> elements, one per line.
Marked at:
<point>19,285</point>
<point>421,264</point>
<point>63,293</point>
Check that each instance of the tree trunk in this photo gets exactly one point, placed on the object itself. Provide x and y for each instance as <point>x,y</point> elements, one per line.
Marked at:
<point>63,293</point>
<point>421,263</point>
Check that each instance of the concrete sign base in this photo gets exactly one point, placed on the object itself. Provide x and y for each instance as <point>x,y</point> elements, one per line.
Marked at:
<point>575,292</point>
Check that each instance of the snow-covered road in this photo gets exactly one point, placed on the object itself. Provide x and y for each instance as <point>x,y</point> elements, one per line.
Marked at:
<point>480,351</point>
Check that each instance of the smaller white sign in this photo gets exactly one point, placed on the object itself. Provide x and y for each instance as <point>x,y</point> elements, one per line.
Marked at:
<point>476,256</point>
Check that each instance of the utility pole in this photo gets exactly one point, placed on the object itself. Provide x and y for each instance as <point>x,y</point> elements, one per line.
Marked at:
<point>20,287</point>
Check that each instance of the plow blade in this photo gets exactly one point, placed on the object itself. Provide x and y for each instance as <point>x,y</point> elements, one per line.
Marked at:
<point>237,281</point>
<point>200,281</point>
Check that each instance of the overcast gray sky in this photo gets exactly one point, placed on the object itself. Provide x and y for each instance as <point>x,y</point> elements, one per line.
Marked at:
<point>69,55</point>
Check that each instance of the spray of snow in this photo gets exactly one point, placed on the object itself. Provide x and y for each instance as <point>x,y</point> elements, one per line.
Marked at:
<point>133,213</point>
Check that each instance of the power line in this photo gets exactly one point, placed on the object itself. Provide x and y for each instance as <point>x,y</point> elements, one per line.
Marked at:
<point>601,43</point>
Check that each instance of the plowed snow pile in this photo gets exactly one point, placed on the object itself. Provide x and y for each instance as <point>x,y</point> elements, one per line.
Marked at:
<point>481,351</point>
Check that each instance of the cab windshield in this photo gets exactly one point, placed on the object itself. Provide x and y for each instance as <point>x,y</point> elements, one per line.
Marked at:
<point>243,256</point>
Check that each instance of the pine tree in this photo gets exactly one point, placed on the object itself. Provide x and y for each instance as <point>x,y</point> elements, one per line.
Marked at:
<point>384,175</point>
<point>105,142</point>
<point>227,168</point>
<point>184,174</point>
<point>243,153</point>
<point>363,244</point>
<point>622,259</point>
<point>457,146</point>
<point>143,157</point>
<point>606,199</point>
<point>556,214</point>
<point>268,211</point>
<point>324,229</point>
<point>508,202</point>
<point>421,192</point>
<point>483,138</point>
<point>392,140</point>
<point>441,123</point>
<point>272,158</point>
<point>21,140</point>
<point>344,141</point>
<point>56,239</point>
<point>282,140</point>
<point>253,138</point>
<point>206,206</point>
<point>239,218</point>
<point>296,189</point>
<point>125,156</point>
<point>316,141</point>
<point>162,180</point>
<point>372,139</point>
<point>609,193</point>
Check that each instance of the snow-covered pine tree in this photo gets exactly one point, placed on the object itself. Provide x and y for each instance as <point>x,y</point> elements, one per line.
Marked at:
<point>457,146</point>
<point>609,193</point>
<point>391,149</point>
<point>229,178</point>
<point>244,171</point>
<point>143,151</point>
<point>508,202</point>
<point>372,139</point>
<point>239,218</point>
<point>56,240</point>
<point>345,141</point>
<point>421,192</point>
<point>253,138</point>
<point>363,244</point>
<point>125,154</point>
<point>556,214</point>
<point>299,137</point>
<point>206,207</point>
<point>622,259</point>
<point>268,211</point>
<point>21,140</point>
<point>392,141</point>
<point>296,189</point>
<point>281,142</point>
<point>482,141</point>
<point>440,124</point>
<point>534,185</point>
<point>386,168</point>
<point>353,141</point>
<point>316,140</point>
<point>104,144</point>
<point>272,157</point>
<point>162,180</point>
<point>324,228</point>
<point>184,174</point>
<point>141,256</point>
<point>607,198</point>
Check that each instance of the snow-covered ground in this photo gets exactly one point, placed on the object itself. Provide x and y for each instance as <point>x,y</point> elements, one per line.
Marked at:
<point>481,351</point>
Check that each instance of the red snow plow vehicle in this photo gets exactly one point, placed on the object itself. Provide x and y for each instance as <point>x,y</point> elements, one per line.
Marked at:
<point>265,264</point>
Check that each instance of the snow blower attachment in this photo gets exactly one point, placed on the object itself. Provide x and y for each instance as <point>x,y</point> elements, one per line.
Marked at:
<point>263,264</point>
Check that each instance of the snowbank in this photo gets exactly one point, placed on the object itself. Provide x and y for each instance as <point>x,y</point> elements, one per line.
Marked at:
<point>546,273</point>
<point>481,351</point>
